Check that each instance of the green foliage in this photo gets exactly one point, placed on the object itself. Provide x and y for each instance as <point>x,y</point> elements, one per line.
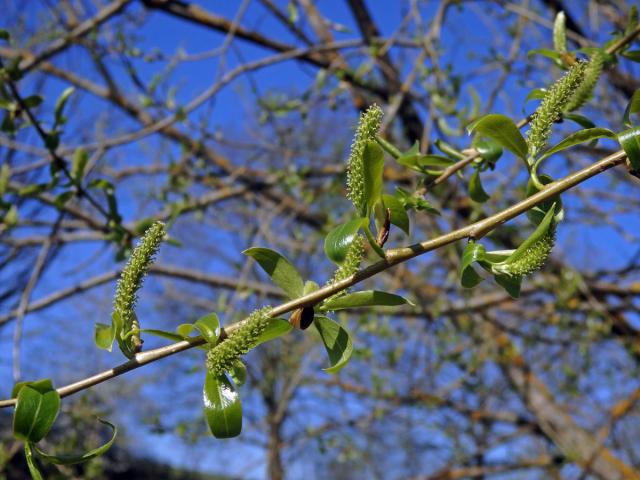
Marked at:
<point>281,271</point>
<point>367,298</point>
<point>222,407</point>
<point>502,130</point>
<point>337,342</point>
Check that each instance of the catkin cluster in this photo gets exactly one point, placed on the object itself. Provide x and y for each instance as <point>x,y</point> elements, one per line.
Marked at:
<point>535,256</point>
<point>221,357</point>
<point>367,130</point>
<point>585,89</point>
<point>553,104</point>
<point>133,274</point>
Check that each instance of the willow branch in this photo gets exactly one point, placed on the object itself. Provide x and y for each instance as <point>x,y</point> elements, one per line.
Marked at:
<point>393,257</point>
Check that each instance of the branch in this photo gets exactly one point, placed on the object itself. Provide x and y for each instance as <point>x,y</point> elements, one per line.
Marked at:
<point>393,257</point>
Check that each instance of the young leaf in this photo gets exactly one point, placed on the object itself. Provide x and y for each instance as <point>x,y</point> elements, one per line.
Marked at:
<point>103,336</point>
<point>398,217</point>
<point>501,129</point>
<point>473,252</point>
<point>37,407</point>
<point>510,283</point>
<point>281,271</point>
<point>79,163</point>
<point>336,340</point>
<point>209,327</point>
<point>630,141</point>
<point>633,107</point>
<point>489,150</point>
<point>222,407</point>
<point>33,468</point>
<point>238,373</point>
<point>476,192</point>
<point>60,103</point>
<point>276,328</point>
<point>337,241</point>
<point>578,137</point>
<point>366,298</point>
<point>73,459</point>
<point>373,162</point>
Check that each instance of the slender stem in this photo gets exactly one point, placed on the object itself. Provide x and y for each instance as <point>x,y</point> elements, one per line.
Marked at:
<point>393,257</point>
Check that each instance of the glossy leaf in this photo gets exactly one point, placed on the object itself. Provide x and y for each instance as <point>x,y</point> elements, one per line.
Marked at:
<point>473,252</point>
<point>73,459</point>
<point>630,141</point>
<point>209,327</point>
<point>535,94</point>
<point>501,129</point>
<point>366,298</point>
<point>510,283</point>
<point>222,407</point>
<point>281,271</point>
<point>60,104</point>
<point>276,328</point>
<point>373,163</point>
<point>633,107</point>
<point>103,336</point>
<point>337,241</point>
<point>337,342</point>
<point>476,191</point>
<point>489,150</point>
<point>578,137</point>
<point>398,216</point>
<point>238,373</point>
<point>37,407</point>
<point>33,468</point>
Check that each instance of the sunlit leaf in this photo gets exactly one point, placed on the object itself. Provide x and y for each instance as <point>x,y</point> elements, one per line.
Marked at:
<point>476,191</point>
<point>337,241</point>
<point>473,252</point>
<point>366,298</point>
<point>337,342</point>
<point>281,271</point>
<point>37,407</point>
<point>276,328</point>
<point>630,141</point>
<point>501,129</point>
<point>579,137</point>
<point>222,407</point>
<point>83,457</point>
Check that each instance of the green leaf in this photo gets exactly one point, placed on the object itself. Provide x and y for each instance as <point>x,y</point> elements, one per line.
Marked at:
<point>104,335</point>
<point>32,101</point>
<point>281,271</point>
<point>398,216</point>
<point>37,407</point>
<point>33,468</point>
<point>309,287</point>
<point>238,373</point>
<point>633,55</point>
<point>366,298</point>
<point>501,129</point>
<point>476,192</point>
<point>510,283</point>
<point>633,107</point>
<point>337,241</point>
<point>415,202</point>
<point>73,459</point>
<point>4,35</point>
<point>276,328</point>
<point>222,407</point>
<point>60,104</point>
<point>560,33</point>
<point>373,164</point>
<point>79,163</point>
<point>336,340</point>
<point>473,252</point>
<point>175,337</point>
<point>537,213</point>
<point>578,137</point>
<point>535,94</point>
<point>630,141</point>
<point>581,120</point>
<point>546,52</point>
<point>489,150</point>
<point>209,327</point>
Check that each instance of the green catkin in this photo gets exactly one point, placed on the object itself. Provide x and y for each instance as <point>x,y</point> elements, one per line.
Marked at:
<point>131,280</point>
<point>351,264</point>
<point>585,89</point>
<point>368,127</point>
<point>553,104</point>
<point>535,257</point>
<point>221,357</point>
